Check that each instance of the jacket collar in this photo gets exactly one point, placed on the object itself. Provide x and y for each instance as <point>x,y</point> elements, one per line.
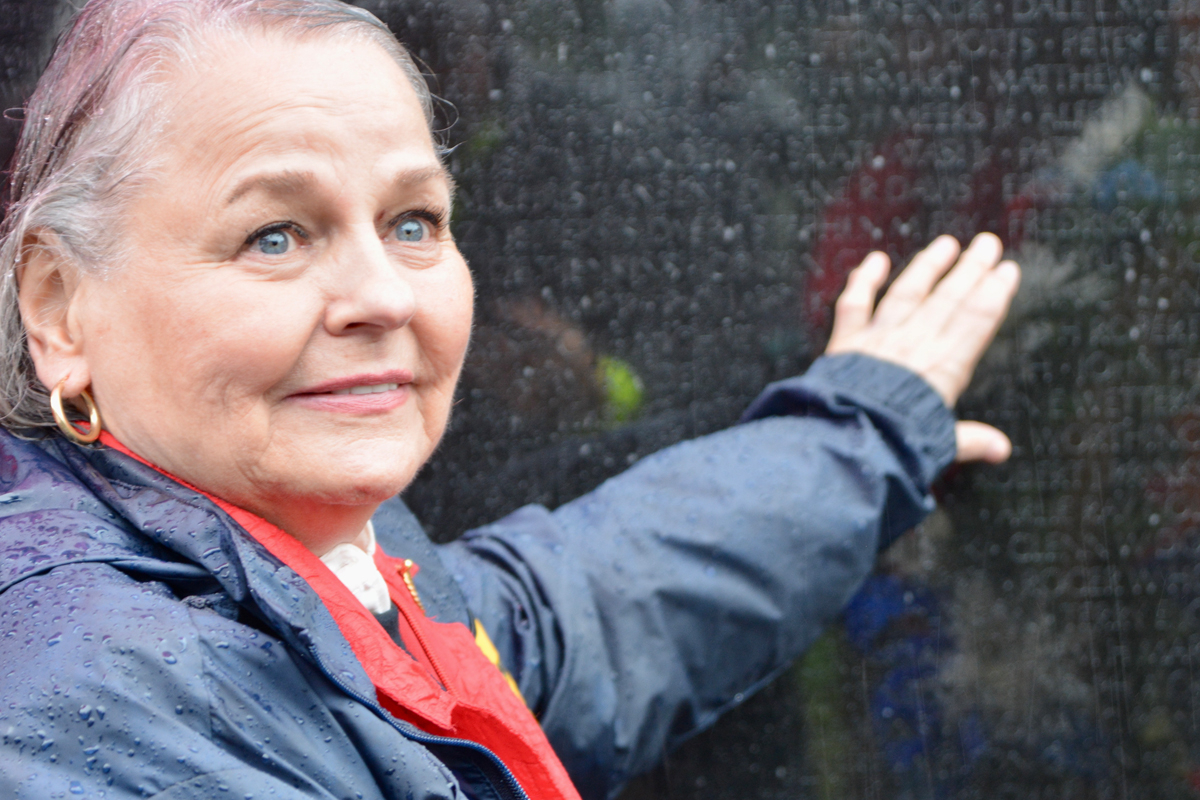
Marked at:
<point>102,505</point>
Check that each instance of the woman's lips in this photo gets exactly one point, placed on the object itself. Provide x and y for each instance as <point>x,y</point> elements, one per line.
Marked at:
<point>358,394</point>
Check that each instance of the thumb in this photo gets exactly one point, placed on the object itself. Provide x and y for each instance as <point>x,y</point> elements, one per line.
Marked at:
<point>980,442</point>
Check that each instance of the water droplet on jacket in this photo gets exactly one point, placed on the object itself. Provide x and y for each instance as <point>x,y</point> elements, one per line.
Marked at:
<point>169,657</point>
<point>76,787</point>
<point>53,640</point>
<point>85,712</point>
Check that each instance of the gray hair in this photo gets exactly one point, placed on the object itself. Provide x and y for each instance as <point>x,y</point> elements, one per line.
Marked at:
<point>89,134</point>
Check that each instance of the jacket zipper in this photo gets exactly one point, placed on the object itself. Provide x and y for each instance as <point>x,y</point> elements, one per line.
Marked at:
<point>405,571</point>
<point>406,575</point>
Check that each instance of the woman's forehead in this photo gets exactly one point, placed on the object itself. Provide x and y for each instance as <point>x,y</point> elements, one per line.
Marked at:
<point>317,100</point>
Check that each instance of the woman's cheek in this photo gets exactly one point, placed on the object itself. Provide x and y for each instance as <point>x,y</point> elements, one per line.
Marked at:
<point>465,295</point>
<point>444,334</point>
<point>245,348</point>
<point>451,306</point>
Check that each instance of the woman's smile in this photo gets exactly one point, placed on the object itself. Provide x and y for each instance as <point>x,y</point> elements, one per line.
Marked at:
<point>358,394</point>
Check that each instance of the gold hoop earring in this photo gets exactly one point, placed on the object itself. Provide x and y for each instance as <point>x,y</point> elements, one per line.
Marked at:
<point>66,426</point>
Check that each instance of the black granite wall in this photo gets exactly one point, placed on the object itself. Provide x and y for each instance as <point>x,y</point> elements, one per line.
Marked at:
<point>660,198</point>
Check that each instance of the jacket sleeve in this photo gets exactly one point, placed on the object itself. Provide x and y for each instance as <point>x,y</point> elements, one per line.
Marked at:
<point>635,615</point>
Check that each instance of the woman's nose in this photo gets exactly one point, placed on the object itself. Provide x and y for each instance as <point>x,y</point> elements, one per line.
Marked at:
<point>369,290</point>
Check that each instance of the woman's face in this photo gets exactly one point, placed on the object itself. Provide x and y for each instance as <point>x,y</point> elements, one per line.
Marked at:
<point>289,328</point>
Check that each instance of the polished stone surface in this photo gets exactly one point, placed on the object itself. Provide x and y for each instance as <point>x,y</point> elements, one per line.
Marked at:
<point>661,198</point>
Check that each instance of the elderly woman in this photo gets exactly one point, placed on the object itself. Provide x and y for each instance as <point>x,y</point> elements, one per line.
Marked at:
<point>235,315</point>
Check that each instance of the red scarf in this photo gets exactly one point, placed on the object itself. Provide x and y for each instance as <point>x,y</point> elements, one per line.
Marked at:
<point>450,689</point>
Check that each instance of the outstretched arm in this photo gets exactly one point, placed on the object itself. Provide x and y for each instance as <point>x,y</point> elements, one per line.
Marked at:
<point>636,614</point>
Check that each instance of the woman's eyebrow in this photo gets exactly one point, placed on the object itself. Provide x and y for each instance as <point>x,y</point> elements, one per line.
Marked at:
<point>290,181</point>
<point>425,175</point>
<point>285,182</point>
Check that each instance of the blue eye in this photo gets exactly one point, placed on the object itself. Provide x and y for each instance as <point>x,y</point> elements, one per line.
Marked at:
<point>274,243</point>
<point>410,230</point>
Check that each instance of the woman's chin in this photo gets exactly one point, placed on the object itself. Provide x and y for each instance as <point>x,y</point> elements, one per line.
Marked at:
<point>361,494</point>
<point>365,472</point>
<point>343,490</point>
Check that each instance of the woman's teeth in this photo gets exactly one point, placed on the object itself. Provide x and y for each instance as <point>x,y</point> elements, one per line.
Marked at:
<point>376,389</point>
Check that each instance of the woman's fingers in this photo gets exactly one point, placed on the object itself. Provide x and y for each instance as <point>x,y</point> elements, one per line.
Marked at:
<point>956,347</point>
<point>978,315</point>
<point>979,442</point>
<point>914,284</point>
<point>977,261</point>
<point>936,323</point>
<point>974,322</point>
<point>856,304</point>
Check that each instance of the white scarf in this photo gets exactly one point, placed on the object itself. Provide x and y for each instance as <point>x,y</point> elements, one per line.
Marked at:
<point>356,568</point>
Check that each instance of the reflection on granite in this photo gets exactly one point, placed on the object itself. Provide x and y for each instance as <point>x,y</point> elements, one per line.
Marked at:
<point>685,185</point>
<point>660,198</point>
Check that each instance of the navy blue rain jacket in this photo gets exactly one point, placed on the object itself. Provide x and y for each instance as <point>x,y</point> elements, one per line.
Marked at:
<point>149,647</point>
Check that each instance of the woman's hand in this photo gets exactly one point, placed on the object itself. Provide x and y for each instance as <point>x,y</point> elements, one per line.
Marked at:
<point>935,321</point>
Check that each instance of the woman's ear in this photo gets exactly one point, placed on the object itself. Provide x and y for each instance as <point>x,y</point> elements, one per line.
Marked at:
<point>48,286</point>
